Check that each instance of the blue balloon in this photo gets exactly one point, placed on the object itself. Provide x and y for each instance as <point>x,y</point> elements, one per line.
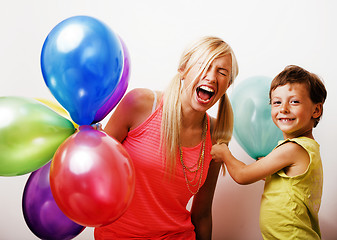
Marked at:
<point>120,90</point>
<point>254,128</point>
<point>82,63</point>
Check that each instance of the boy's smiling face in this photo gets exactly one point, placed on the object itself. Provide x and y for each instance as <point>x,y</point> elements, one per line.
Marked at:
<point>293,111</point>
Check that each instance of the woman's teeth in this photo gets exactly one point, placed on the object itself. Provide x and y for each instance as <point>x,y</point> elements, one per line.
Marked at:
<point>205,93</point>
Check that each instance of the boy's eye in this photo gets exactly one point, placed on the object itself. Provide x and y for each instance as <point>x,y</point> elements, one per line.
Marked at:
<point>295,101</point>
<point>276,102</point>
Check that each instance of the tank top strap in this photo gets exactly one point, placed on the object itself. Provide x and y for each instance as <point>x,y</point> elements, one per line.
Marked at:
<point>154,101</point>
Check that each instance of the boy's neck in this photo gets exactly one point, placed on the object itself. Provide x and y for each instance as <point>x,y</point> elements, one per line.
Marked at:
<point>307,134</point>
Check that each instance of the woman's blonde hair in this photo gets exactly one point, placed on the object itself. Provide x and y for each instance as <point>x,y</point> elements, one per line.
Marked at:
<point>204,50</point>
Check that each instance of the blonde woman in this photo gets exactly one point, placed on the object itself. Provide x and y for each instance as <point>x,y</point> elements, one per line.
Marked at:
<point>169,137</point>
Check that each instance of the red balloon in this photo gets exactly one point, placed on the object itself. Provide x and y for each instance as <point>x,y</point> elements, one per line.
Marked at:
<point>92,178</point>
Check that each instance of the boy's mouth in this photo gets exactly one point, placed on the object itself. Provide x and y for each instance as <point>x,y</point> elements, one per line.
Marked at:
<point>286,119</point>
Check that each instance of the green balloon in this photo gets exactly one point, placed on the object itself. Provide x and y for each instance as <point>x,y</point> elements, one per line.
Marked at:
<point>254,128</point>
<point>30,133</point>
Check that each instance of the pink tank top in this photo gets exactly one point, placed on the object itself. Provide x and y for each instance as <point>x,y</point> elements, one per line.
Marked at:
<point>158,208</point>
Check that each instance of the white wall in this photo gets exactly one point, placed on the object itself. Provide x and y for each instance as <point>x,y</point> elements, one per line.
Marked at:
<point>266,36</point>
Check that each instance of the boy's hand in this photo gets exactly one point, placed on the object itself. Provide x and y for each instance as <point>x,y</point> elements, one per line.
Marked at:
<point>218,152</point>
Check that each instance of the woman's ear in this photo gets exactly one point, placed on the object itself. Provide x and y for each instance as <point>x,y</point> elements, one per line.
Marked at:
<point>229,83</point>
<point>181,72</point>
<point>182,69</point>
<point>182,75</point>
<point>317,110</point>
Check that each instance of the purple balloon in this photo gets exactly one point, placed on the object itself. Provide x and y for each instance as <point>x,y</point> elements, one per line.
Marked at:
<point>120,89</point>
<point>41,213</point>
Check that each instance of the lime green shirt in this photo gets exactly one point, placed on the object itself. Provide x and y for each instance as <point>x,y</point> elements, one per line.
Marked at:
<point>290,205</point>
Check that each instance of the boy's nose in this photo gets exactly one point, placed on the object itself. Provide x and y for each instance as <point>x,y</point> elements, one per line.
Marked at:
<point>284,108</point>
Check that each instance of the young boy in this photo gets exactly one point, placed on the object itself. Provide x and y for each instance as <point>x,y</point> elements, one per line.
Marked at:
<point>293,170</point>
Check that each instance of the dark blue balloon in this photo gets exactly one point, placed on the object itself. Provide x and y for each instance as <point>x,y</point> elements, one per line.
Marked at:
<point>82,63</point>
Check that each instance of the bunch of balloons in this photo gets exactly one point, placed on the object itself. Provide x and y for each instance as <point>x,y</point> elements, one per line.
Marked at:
<point>80,177</point>
<point>254,129</point>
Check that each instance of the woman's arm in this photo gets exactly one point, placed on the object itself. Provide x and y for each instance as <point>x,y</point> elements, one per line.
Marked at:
<point>201,211</point>
<point>289,156</point>
<point>132,110</point>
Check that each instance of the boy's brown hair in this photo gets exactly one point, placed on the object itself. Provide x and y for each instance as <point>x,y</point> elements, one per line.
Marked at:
<point>295,74</point>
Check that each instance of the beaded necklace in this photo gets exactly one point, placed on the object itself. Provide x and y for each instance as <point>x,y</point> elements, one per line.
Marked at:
<point>199,165</point>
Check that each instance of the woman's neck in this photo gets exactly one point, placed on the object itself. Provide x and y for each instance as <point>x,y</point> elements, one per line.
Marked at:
<point>192,128</point>
<point>192,119</point>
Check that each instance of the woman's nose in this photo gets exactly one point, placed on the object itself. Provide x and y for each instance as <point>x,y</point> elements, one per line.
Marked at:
<point>211,75</point>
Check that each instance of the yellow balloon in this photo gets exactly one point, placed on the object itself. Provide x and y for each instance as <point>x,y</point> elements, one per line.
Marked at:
<point>57,108</point>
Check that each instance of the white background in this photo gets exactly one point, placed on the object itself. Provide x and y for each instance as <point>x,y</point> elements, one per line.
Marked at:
<point>265,35</point>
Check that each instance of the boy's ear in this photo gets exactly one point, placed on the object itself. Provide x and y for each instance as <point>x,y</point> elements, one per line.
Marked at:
<point>317,110</point>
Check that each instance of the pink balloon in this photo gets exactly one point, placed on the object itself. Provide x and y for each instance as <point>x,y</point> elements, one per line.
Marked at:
<point>120,89</point>
<point>92,178</point>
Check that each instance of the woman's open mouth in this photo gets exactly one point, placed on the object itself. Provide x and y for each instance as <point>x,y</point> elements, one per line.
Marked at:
<point>204,93</point>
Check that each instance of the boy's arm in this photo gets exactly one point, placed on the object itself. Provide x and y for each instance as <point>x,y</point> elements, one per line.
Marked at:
<point>288,155</point>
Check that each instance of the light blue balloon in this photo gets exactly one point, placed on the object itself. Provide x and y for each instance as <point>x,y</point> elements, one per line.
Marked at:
<point>254,128</point>
<point>81,63</point>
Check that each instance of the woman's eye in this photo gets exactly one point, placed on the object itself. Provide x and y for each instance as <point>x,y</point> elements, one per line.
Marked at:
<point>223,73</point>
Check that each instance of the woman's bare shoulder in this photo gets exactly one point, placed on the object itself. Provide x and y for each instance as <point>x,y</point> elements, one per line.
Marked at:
<point>138,104</point>
<point>140,99</point>
<point>138,94</point>
<point>131,111</point>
